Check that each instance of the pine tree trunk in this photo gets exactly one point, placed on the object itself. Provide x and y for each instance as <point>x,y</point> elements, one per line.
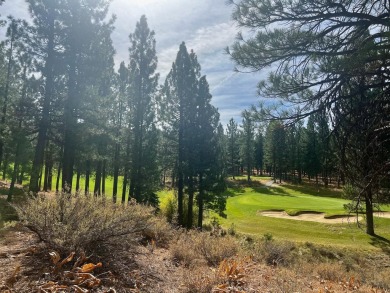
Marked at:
<point>58,177</point>
<point>16,167</point>
<point>116,173</point>
<point>40,179</point>
<point>78,179</point>
<point>126,173</point>
<point>200,202</point>
<point>369,213</point>
<point>190,211</point>
<point>45,119</point>
<point>14,175</point>
<point>70,123</point>
<point>104,177</point>
<point>5,97</point>
<point>87,175</point>
<point>98,179</point>
<point>124,187</point>
<point>5,166</point>
<point>132,184</point>
<point>21,175</point>
<point>48,169</point>
<point>45,181</point>
<point>180,170</point>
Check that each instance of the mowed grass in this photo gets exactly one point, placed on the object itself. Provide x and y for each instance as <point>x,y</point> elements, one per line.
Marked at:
<point>245,204</point>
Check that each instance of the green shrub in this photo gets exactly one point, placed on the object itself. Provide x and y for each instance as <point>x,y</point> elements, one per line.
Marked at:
<point>83,223</point>
<point>168,208</point>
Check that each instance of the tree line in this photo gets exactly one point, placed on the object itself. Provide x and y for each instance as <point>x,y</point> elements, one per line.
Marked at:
<point>68,113</point>
<point>66,109</point>
<point>328,63</point>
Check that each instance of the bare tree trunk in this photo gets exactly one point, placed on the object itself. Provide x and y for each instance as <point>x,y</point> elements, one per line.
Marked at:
<point>98,179</point>
<point>369,213</point>
<point>190,211</point>
<point>200,202</point>
<point>78,179</point>
<point>104,177</point>
<point>87,175</point>
<point>58,176</point>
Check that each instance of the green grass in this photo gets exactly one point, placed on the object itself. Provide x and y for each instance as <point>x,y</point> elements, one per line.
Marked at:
<point>244,204</point>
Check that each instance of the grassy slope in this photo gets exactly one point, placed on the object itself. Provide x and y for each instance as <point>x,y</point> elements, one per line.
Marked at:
<point>244,205</point>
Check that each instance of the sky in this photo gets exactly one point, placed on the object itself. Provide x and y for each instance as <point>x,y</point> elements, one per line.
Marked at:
<point>204,25</point>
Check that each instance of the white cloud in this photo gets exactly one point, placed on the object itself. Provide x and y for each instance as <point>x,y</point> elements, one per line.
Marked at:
<point>205,26</point>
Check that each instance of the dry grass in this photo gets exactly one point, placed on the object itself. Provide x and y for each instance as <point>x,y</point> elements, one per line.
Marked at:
<point>194,246</point>
<point>200,280</point>
<point>159,232</point>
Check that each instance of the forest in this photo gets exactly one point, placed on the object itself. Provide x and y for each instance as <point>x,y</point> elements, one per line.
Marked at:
<point>67,112</point>
<point>74,122</point>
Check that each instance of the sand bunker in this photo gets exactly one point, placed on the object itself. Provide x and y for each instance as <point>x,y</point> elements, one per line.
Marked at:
<point>319,217</point>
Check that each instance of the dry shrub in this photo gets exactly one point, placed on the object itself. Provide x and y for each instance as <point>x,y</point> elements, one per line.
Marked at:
<point>276,253</point>
<point>83,223</point>
<point>330,271</point>
<point>200,280</point>
<point>379,278</point>
<point>193,245</point>
<point>216,249</point>
<point>159,231</point>
<point>183,250</point>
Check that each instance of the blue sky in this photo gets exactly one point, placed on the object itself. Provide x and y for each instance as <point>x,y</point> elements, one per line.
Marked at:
<point>205,26</point>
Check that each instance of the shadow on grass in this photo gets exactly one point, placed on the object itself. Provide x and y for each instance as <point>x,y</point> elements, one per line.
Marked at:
<point>314,190</point>
<point>272,190</point>
<point>381,242</point>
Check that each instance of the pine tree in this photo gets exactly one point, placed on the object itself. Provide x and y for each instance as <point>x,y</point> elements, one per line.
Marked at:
<point>259,153</point>
<point>247,142</point>
<point>119,121</point>
<point>45,38</point>
<point>87,38</point>
<point>233,149</point>
<point>312,159</point>
<point>143,85</point>
<point>191,123</point>
<point>178,100</point>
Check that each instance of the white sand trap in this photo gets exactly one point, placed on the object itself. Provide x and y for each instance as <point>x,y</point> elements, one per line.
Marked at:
<point>319,217</point>
<point>312,217</point>
<point>382,214</point>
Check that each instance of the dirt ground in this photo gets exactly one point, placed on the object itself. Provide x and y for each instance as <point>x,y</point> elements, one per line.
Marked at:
<point>25,265</point>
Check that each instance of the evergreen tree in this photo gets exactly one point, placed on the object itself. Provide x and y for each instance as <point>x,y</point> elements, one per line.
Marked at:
<point>275,148</point>
<point>233,147</point>
<point>143,85</point>
<point>320,68</point>
<point>312,159</point>
<point>86,28</point>
<point>178,100</point>
<point>119,123</point>
<point>206,146</point>
<point>45,40</point>
<point>259,153</point>
<point>191,123</point>
<point>247,142</point>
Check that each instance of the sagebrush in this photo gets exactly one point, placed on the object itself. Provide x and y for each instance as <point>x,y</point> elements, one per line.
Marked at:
<point>194,247</point>
<point>69,222</point>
